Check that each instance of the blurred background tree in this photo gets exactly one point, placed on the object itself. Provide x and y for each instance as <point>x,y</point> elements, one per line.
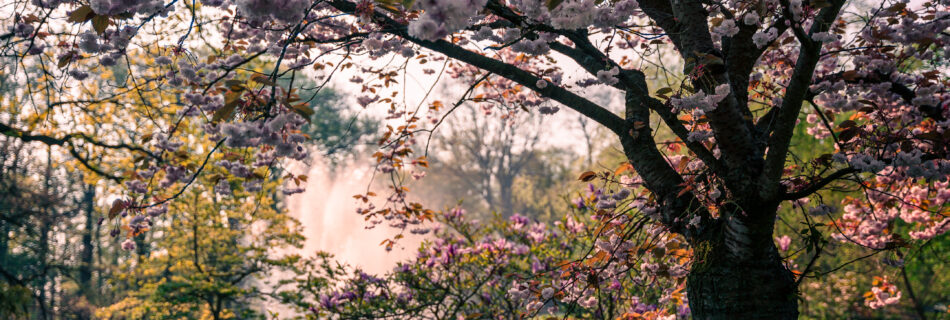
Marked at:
<point>208,259</point>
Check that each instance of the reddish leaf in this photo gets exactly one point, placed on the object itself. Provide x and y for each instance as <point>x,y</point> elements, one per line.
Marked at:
<point>587,176</point>
<point>117,207</point>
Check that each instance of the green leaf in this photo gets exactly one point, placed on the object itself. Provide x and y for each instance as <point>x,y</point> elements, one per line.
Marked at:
<point>64,60</point>
<point>235,85</point>
<point>551,4</point>
<point>847,124</point>
<point>664,91</point>
<point>81,14</point>
<point>224,112</point>
<point>100,23</point>
<point>231,101</point>
<point>848,134</point>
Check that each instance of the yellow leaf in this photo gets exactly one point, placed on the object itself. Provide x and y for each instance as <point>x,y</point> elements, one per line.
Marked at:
<point>233,84</point>
<point>304,110</point>
<point>225,112</point>
<point>623,168</point>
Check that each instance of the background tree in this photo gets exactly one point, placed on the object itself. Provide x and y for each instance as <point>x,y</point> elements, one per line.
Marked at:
<point>484,156</point>
<point>202,261</point>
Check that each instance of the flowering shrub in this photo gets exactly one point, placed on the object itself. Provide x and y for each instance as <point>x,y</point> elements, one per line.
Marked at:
<point>610,262</point>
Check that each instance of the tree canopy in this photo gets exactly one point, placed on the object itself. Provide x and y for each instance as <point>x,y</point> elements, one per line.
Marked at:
<point>714,92</point>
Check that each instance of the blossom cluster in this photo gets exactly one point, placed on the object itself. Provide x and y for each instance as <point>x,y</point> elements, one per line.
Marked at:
<point>116,7</point>
<point>700,103</point>
<point>882,294</point>
<point>285,11</point>
<point>441,17</point>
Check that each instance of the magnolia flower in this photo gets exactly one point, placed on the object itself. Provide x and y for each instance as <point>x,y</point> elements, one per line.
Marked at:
<point>157,210</point>
<point>699,135</point>
<point>783,242</point>
<point>251,186</point>
<point>440,18</point>
<point>89,42</point>
<point>694,222</point>
<point>549,109</point>
<point>163,60</point>
<point>795,7</point>
<point>573,14</point>
<point>532,47</point>
<point>700,103</point>
<point>821,210</point>
<point>518,291</point>
<point>533,306</point>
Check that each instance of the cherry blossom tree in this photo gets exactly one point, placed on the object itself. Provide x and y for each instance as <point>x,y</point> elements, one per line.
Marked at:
<point>868,77</point>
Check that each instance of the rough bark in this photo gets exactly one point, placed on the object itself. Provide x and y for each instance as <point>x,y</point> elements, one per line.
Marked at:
<point>754,285</point>
<point>756,289</point>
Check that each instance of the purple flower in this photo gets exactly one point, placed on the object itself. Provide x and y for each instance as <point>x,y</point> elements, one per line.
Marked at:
<point>136,186</point>
<point>223,187</point>
<point>579,203</point>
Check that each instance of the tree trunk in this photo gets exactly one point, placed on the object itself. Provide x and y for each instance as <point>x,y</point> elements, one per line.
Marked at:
<point>726,282</point>
<point>504,193</point>
<point>86,257</point>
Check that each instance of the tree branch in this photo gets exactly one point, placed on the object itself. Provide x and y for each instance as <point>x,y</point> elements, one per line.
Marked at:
<point>787,117</point>
<point>556,93</point>
<point>814,187</point>
<point>67,142</point>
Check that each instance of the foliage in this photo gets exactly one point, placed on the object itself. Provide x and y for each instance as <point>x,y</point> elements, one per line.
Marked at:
<point>335,132</point>
<point>201,261</point>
